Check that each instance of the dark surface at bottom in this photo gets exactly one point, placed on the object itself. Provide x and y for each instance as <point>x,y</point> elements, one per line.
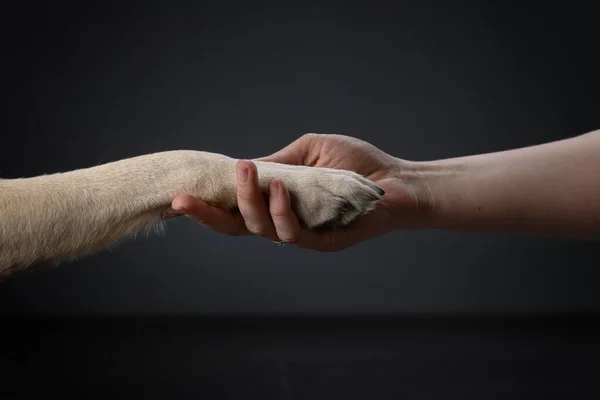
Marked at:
<point>302,357</point>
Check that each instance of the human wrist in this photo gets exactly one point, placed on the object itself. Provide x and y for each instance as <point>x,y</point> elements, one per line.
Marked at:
<point>435,188</point>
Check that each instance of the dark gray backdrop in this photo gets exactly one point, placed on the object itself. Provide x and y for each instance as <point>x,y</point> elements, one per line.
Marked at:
<point>89,84</point>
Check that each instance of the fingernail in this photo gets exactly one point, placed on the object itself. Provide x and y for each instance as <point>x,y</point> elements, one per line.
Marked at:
<point>242,174</point>
<point>274,188</point>
<point>179,208</point>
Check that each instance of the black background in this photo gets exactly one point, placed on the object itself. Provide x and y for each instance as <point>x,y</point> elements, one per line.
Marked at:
<point>95,82</point>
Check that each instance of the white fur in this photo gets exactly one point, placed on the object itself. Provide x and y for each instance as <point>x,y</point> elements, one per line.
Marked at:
<point>66,215</point>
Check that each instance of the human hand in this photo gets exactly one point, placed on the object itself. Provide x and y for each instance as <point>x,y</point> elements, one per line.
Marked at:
<point>399,207</point>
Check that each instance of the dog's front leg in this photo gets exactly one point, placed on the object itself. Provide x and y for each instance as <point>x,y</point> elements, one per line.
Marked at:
<point>51,217</point>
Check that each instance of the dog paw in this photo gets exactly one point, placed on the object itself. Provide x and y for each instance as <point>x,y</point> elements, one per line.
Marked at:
<point>328,198</point>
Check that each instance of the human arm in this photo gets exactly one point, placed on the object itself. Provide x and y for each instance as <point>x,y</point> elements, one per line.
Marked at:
<point>551,189</point>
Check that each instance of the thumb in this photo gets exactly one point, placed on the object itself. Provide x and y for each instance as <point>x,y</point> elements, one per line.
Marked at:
<point>283,156</point>
<point>292,154</point>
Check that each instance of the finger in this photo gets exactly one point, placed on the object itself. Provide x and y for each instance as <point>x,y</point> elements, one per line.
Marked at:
<point>286,224</point>
<point>284,156</point>
<point>298,152</point>
<point>211,217</point>
<point>251,202</point>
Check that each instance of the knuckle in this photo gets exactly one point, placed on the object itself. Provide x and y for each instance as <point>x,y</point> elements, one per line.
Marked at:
<point>308,137</point>
<point>247,196</point>
<point>256,229</point>
<point>279,211</point>
<point>291,239</point>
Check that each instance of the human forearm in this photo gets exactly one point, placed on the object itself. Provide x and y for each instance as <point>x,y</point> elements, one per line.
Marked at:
<point>551,189</point>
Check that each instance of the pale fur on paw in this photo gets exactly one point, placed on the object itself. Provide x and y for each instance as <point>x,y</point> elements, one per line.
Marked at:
<point>323,197</point>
